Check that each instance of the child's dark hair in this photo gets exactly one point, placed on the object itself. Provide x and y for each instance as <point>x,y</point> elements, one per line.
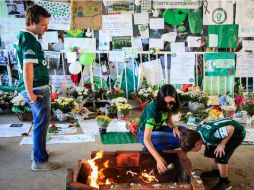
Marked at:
<point>188,139</point>
<point>167,90</point>
<point>34,12</point>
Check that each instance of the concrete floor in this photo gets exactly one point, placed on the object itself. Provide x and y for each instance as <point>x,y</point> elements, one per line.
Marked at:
<point>15,163</point>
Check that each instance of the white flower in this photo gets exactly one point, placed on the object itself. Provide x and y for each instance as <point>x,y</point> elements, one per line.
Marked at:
<point>79,89</point>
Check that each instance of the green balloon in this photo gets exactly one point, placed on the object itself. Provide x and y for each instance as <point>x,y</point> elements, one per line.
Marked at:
<point>86,59</point>
<point>175,17</point>
<point>181,28</point>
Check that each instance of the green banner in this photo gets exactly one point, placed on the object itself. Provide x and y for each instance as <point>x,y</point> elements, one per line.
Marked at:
<point>227,35</point>
<point>219,64</point>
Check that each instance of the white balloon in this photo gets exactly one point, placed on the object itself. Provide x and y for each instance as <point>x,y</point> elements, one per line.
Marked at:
<point>71,57</point>
<point>75,68</point>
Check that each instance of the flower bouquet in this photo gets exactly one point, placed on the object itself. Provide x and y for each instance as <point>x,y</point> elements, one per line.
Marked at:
<point>124,112</point>
<point>80,94</point>
<point>144,95</point>
<point>5,100</point>
<point>197,100</point>
<point>103,122</point>
<point>21,108</point>
<point>63,106</point>
<point>119,100</point>
<point>214,114</point>
<point>114,93</point>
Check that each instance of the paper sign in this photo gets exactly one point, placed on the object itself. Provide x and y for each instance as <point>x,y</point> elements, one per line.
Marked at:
<point>60,14</point>
<point>245,65</point>
<point>176,4</point>
<point>116,56</point>
<point>136,42</point>
<point>218,12</point>
<point>194,41</point>
<point>141,18</point>
<point>85,44</point>
<point>3,57</point>
<point>213,40</point>
<point>156,43</point>
<point>44,44</point>
<point>117,25</point>
<point>156,23</point>
<point>169,37</point>
<point>244,12</point>
<point>104,41</point>
<point>149,69</point>
<point>146,5</point>
<point>144,31</point>
<point>246,30</point>
<point>50,37</point>
<point>61,83</point>
<point>248,45</point>
<point>53,59</point>
<point>177,47</point>
<point>8,32</point>
<point>182,68</point>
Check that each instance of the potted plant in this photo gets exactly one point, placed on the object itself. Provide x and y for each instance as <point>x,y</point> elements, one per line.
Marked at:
<point>103,122</point>
<point>63,107</point>
<point>5,101</point>
<point>144,95</point>
<point>112,111</point>
<point>21,108</point>
<point>197,100</point>
<point>124,112</point>
<point>114,93</point>
<point>80,94</point>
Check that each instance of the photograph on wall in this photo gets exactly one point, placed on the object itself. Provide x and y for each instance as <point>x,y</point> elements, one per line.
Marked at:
<point>15,7</point>
<point>3,57</point>
<point>120,6</point>
<point>119,42</point>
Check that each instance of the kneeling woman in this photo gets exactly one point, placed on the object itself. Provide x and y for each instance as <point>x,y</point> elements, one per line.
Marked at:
<point>152,133</point>
<point>220,138</point>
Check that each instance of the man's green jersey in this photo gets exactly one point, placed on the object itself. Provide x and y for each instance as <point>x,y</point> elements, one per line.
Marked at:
<point>29,50</point>
<point>152,118</point>
<point>213,132</point>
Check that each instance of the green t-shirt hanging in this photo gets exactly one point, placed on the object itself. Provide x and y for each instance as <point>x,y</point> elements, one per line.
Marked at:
<point>152,118</point>
<point>227,35</point>
<point>213,132</point>
<point>28,49</point>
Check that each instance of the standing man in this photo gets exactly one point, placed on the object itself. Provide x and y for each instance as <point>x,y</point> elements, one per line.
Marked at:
<point>34,82</point>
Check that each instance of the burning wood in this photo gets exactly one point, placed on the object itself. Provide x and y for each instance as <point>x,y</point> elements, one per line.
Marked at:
<point>148,177</point>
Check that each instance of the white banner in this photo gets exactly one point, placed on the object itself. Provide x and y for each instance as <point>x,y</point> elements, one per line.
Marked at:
<point>117,25</point>
<point>8,32</point>
<point>218,12</point>
<point>85,44</point>
<point>182,68</point>
<point>244,65</point>
<point>175,4</point>
<point>244,12</point>
<point>246,30</point>
<point>60,14</point>
<point>149,69</point>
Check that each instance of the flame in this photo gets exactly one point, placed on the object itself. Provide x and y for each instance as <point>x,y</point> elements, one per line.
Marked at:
<point>97,176</point>
<point>148,177</point>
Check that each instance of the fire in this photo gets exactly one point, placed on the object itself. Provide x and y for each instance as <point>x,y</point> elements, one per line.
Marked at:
<point>97,176</point>
<point>148,177</point>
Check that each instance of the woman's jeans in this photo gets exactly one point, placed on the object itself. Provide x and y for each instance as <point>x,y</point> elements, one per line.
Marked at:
<point>162,139</point>
<point>41,110</point>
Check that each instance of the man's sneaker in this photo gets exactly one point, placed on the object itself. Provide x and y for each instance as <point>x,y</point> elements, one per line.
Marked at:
<point>32,155</point>
<point>222,186</point>
<point>46,166</point>
<point>210,174</point>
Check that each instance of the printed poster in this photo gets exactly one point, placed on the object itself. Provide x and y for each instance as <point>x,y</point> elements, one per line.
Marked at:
<point>244,12</point>
<point>15,7</point>
<point>119,42</point>
<point>87,14</point>
<point>246,30</point>
<point>120,7</point>
<point>219,64</point>
<point>182,68</point>
<point>176,4</point>
<point>244,65</point>
<point>60,14</point>
<point>53,59</point>
<point>218,12</point>
<point>117,25</point>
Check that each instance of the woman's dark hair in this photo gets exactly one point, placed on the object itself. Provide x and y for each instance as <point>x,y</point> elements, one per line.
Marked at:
<point>167,90</point>
<point>34,12</point>
<point>188,139</point>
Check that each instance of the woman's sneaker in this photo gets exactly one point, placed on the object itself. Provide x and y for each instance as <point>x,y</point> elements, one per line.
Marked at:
<point>46,166</point>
